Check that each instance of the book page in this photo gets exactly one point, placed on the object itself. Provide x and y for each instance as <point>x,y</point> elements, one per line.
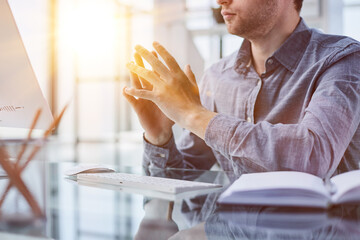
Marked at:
<point>344,183</point>
<point>278,180</point>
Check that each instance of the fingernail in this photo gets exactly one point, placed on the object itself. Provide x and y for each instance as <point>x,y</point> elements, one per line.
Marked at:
<point>156,43</point>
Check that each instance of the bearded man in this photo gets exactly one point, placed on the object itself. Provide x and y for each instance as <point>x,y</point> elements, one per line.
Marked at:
<point>289,99</point>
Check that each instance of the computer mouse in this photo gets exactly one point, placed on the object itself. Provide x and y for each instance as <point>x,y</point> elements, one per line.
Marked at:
<point>88,168</point>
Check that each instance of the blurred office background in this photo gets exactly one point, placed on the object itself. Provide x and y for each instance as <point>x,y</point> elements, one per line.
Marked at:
<point>79,48</point>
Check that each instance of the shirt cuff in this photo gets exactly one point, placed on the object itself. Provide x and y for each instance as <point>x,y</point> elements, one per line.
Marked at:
<point>220,131</point>
<point>155,156</point>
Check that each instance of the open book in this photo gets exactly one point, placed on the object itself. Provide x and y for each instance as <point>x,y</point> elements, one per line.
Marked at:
<point>289,188</point>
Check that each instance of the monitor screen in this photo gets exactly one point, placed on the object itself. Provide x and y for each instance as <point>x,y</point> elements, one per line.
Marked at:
<point>20,93</point>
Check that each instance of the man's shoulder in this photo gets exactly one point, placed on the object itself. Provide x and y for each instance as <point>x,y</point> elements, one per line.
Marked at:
<point>332,45</point>
<point>332,41</point>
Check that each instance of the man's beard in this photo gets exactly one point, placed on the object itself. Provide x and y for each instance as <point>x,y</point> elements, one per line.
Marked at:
<point>256,23</point>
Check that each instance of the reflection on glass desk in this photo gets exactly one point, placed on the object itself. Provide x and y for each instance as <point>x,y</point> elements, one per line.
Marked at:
<point>148,192</point>
<point>75,211</point>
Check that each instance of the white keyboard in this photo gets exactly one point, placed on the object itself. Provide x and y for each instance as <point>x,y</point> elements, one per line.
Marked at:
<point>167,185</point>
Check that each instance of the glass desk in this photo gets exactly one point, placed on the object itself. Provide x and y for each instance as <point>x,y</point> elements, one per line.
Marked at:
<point>76,211</point>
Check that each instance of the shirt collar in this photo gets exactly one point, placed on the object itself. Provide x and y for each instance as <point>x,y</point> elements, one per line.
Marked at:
<point>241,62</point>
<point>288,54</point>
<point>291,51</point>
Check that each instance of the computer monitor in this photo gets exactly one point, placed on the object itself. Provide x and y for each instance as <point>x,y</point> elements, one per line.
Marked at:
<point>20,93</point>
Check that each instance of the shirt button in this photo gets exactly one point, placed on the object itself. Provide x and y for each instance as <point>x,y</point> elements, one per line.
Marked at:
<point>248,119</point>
<point>270,61</point>
<point>162,155</point>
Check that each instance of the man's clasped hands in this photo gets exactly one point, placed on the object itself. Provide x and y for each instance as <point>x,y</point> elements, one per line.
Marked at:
<point>164,95</point>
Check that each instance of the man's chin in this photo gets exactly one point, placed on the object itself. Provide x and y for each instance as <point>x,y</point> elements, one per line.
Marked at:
<point>238,31</point>
<point>232,31</point>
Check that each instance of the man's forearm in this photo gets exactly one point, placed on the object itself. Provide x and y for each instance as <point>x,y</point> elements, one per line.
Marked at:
<point>160,139</point>
<point>197,121</point>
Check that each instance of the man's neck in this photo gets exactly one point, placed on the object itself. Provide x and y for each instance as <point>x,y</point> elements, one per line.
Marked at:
<point>263,47</point>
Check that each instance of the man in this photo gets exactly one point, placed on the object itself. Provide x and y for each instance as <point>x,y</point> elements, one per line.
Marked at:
<point>289,99</point>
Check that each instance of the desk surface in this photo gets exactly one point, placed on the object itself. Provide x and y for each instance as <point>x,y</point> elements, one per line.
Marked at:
<point>75,211</point>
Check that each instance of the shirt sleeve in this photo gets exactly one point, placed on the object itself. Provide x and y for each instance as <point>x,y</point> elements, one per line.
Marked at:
<point>315,145</point>
<point>191,152</point>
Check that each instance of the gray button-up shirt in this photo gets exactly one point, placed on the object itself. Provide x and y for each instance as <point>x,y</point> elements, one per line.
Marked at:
<point>301,114</point>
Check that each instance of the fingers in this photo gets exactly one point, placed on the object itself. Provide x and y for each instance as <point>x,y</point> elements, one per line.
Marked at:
<point>131,93</point>
<point>168,59</point>
<point>138,60</point>
<point>189,73</point>
<point>144,73</point>
<point>155,54</point>
<point>155,63</point>
<point>129,98</point>
<point>135,80</point>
